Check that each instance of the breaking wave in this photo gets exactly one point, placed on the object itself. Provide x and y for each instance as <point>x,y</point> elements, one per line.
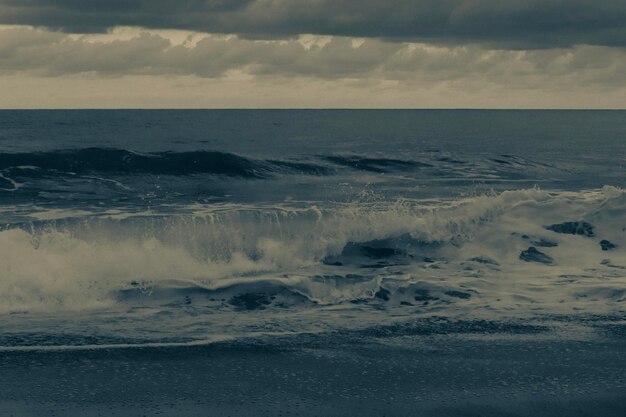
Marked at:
<point>245,257</point>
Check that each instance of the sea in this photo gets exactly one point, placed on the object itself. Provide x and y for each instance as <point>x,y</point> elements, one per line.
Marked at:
<point>123,228</point>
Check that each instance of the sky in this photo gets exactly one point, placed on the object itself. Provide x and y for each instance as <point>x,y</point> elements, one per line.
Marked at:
<point>313,54</point>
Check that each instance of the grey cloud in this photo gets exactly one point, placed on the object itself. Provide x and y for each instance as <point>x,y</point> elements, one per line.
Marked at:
<point>36,52</point>
<point>515,24</point>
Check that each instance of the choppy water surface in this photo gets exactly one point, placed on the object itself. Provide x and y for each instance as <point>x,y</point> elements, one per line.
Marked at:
<point>125,227</point>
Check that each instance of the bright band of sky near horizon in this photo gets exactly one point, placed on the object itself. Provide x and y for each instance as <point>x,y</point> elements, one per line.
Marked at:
<point>264,53</point>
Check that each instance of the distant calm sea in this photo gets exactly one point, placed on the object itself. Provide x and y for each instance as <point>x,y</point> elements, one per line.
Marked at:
<point>132,227</point>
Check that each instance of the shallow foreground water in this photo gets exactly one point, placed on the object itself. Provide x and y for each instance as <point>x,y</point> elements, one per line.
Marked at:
<point>425,368</point>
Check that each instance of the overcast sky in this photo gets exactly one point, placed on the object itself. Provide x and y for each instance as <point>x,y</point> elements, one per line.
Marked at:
<point>313,53</point>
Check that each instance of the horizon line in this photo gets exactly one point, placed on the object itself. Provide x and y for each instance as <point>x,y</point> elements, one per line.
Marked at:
<point>313,108</point>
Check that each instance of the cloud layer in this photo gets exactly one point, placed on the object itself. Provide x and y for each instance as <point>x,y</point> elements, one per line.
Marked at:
<point>320,53</point>
<point>510,24</point>
<point>45,53</point>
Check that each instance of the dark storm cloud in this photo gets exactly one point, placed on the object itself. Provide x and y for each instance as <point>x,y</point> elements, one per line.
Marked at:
<point>502,23</point>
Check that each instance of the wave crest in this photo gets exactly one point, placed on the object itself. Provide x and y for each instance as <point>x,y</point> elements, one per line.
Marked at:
<point>83,262</point>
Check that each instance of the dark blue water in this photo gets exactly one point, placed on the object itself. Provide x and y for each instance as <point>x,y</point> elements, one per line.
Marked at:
<point>185,225</point>
<point>141,158</point>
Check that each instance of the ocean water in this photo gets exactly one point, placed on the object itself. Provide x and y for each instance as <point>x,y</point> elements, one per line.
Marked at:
<point>179,227</point>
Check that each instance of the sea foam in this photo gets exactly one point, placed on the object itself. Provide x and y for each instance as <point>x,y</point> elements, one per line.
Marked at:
<point>467,247</point>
